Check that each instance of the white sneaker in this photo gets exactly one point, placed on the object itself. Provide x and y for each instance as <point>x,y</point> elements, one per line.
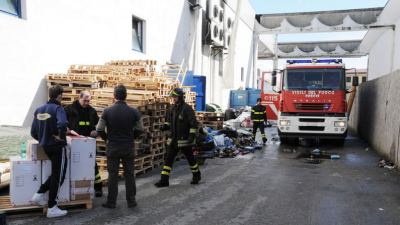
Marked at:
<point>39,199</point>
<point>55,212</point>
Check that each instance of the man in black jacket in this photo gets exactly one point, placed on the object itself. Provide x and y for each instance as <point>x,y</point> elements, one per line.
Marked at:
<point>82,118</point>
<point>123,124</point>
<point>259,117</point>
<point>182,123</point>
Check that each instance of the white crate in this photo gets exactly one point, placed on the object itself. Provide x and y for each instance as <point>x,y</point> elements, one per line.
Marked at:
<point>25,180</point>
<point>83,157</point>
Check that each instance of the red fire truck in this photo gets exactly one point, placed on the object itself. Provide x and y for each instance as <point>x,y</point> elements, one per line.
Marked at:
<point>312,100</point>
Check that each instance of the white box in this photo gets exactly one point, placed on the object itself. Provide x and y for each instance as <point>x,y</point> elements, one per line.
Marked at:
<point>25,180</point>
<point>82,190</point>
<point>34,151</point>
<point>64,191</point>
<point>83,157</point>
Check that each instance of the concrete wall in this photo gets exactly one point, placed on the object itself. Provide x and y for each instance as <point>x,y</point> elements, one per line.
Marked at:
<point>56,34</point>
<point>375,115</point>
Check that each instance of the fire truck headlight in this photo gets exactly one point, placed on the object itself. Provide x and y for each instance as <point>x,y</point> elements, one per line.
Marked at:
<point>284,122</point>
<point>340,124</point>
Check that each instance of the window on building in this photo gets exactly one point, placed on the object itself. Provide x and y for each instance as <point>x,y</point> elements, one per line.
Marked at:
<point>242,74</point>
<point>137,34</point>
<point>348,79</point>
<point>364,79</point>
<point>11,6</point>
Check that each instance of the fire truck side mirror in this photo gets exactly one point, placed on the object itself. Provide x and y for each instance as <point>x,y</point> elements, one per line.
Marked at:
<point>273,82</point>
<point>355,81</point>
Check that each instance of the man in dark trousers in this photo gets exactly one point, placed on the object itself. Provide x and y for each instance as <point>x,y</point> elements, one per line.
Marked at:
<point>259,117</point>
<point>118,126</point>
<point>49,128</point>
<point>82,118</point>
<point>182,123</point>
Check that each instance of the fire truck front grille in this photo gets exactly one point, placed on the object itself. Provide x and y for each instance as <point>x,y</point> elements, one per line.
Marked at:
<point>312,120</point>
<point>311,128</point>
<point>312,106</point>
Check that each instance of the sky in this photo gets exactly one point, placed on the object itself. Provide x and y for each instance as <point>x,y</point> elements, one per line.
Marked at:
<point>291,6</point>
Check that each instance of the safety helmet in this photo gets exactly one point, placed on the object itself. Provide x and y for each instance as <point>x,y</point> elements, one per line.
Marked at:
<point>177,92</point>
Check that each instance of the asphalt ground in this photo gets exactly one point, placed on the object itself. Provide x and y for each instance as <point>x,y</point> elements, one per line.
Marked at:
<point>276,185</point>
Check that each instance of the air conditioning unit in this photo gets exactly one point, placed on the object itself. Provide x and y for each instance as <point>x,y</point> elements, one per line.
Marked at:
<point>212,10</point>
<point>228,26</point>
<point>215,14</point>
<point>217,34</point>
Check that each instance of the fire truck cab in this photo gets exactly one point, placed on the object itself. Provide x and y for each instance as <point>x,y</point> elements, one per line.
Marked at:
<point>312,96</point>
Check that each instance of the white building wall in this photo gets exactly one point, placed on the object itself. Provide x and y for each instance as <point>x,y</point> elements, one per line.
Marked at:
<point>396,47</point>
<point>384,44</point>
<point>240,54</point>
<point>56,34</point>
<point>380,56</point>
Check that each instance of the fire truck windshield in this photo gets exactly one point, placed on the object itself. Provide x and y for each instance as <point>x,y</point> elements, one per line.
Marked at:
<point>314,79</point>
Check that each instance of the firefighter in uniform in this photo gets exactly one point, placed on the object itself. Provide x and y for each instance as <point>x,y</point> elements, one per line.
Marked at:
<point>259,117</point>
<point>182,123</point>
<point>83,119</point>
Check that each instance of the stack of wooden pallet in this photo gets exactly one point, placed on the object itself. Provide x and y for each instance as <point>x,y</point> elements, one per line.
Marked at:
<point>147,91</point>
<point>73,84</point>
<point>140,75</point>
<point>157,138</point>
<point>142,164</point>
<point>104,97</point>
<point>191,99</point>
<point>214,120</point>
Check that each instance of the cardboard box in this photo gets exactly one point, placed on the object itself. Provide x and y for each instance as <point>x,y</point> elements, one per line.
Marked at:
<point>82,190</point>
<point>25,180</point>
<point>83,157</point>
<point>64,191</point>
<point>34,151</point>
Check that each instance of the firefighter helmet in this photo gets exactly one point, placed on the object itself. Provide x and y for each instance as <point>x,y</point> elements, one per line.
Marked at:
<point>177,92</point>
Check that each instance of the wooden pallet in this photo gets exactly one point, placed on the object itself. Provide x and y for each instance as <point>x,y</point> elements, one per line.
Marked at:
<point>73,84</point>
<point>159,113</point>
<point>6,207</point>
<point>156,126</point>
<point>72,91</point>
<point>157,150</point>
<point>157,133</point>
<point>133,62</point>
<point>210,114</point>
<point>157,140</point>
<point>66,98</point>
<point>157,157</point>
<point>88,69</point>
<point>57,77</point>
